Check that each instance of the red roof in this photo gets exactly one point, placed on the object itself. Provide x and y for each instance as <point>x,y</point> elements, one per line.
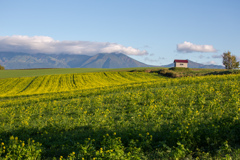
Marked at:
<point>181,61</point>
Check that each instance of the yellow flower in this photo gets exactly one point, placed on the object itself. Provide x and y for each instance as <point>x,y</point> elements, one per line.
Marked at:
<point>23,144</point>
<point>2,143</point>
<point>73,152</point>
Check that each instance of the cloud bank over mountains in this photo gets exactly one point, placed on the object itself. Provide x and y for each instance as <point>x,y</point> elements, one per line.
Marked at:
<point>188,47</point>
<point>45,44</point>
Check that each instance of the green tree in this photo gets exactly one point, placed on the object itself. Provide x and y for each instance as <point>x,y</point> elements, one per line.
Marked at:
<point>230,61</point>
<point>1,67</point>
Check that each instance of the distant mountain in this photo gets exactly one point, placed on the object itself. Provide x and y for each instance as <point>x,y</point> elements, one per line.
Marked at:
<point>112,61</point>
<point>24,61</point>
<point>12,60</point>
<point>192,64</point>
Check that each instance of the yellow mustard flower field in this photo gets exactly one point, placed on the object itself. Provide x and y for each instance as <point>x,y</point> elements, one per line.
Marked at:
<point>120,115</point>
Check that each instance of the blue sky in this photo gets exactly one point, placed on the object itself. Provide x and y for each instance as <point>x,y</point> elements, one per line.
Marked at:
<point>152,31</point>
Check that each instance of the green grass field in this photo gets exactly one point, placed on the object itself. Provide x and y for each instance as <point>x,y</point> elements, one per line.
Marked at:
<point>54,71</point>
<point>119,115</point>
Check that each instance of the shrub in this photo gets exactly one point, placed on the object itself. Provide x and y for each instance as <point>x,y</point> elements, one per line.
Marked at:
<point>169,73</point>
<point>1,67</point>
<point>179,69</point>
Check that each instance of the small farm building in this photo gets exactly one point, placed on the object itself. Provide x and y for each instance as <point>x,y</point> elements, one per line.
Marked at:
<point>181,63</point>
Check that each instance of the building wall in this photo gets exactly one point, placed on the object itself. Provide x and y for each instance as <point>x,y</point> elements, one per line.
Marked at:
<point>183,65</point>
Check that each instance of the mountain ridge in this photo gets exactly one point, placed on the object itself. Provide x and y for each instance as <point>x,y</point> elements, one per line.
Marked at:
<point>14,60</point>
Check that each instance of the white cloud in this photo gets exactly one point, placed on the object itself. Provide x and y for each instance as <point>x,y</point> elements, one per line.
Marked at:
<point>44,44</point>
<point>210,62</point>
<point>152,54</point>
<point>188,47</point>
<point>159,59</point>
<point>201,56</point>
<point>216,56</point>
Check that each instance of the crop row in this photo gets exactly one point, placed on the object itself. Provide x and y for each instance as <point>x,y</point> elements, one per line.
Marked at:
<point>68,82</point>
